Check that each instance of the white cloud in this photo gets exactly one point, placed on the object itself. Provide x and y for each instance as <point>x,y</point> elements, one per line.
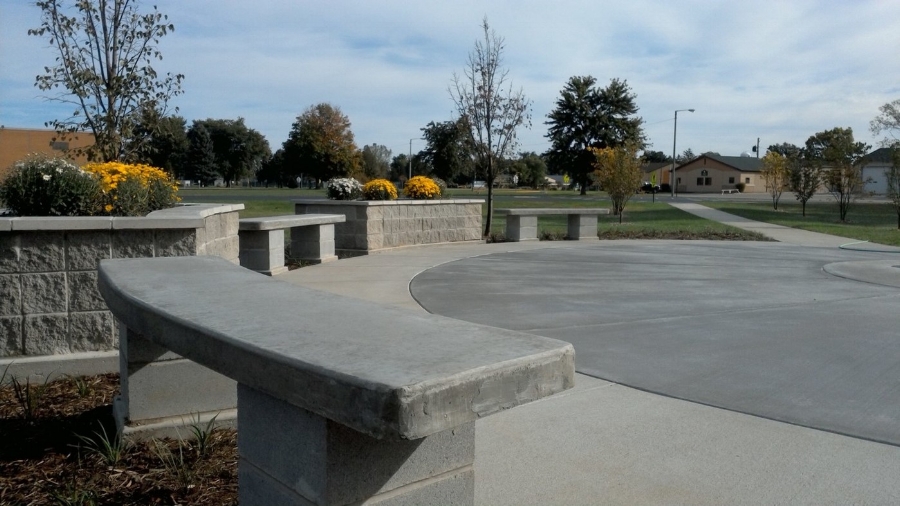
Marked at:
<point>776,70</point>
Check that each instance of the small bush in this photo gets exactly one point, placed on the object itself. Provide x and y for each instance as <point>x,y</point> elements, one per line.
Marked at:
<point>740,187</point>
<point>379,189</point>
<point>421,188</point>
<point>41,185</point>
<point>343,188</point>
<point>134,189</point>
<point>442,186</point>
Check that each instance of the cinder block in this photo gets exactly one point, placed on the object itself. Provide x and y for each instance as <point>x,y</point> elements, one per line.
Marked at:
<point>582,227</point>
<point>9,252</point>
<point>11,336</point>
<point>132,244</point>
<point>91,331</point>
<point>177,242</point>
<point>83,292</point>
<point>45,334</point>
<point>328,463</point>
<point>42,252</point>
<point>44,293</point>
<point>10,295</point>
<point>521,228</point>
<point>84,250</point>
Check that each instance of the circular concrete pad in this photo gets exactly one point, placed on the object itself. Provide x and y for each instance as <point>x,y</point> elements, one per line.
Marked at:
<point>759,328</point>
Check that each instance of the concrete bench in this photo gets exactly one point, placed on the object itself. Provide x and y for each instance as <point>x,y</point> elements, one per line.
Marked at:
<point>521,224</point>
<point>262,240</point>
<point>339,401</point>
<point>729,191</point>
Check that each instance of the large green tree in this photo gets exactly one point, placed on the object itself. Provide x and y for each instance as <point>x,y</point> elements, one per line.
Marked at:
<point>494,110</point>
<point>163,143</point>
<point>448,150</point>
<point>838,156</point>
<point>531,169</point>
<point>104,54</point>
<point>320,144</point>
<point>587,117</point>
<point>239,151</point>
<point>200,162</point>
<point>376,161</point>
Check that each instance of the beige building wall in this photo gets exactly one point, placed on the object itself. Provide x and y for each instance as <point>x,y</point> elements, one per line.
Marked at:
<point>17,143</point>
<point>710,176</point>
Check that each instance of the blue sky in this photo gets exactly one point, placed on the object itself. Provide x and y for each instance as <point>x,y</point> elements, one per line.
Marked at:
<point>777,70</point>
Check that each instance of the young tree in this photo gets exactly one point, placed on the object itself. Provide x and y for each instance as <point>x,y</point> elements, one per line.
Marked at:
<point>448,150</point>
<point>376,161</point>
<point>776,174</point>
<point>805,179</point>
<point>104,53</point>
<point>685,157</point>
<point>888,121</point>
<point>494,111</point>
<point>892,174</point>
<point>588,117</point>
<point>321,144</point>
<point>839,157</point>
<point>618,170</point>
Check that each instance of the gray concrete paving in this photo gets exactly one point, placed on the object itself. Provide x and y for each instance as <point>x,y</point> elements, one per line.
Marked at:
<point>606,443</point>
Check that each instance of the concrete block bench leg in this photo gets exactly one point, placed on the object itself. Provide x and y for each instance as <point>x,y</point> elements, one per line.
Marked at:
<point>313,243</point>
<point>583,227</point>
<point>163,393</point>
<point>521,228</point>
<point>291,456</point>
<point>263,251</point>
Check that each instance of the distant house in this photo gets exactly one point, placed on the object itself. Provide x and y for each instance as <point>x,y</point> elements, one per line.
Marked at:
<point>714,173</point>
<point>874,166</point>
<point>656,172</point>
<point>16,143</point>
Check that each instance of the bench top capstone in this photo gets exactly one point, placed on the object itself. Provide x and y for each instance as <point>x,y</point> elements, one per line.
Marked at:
<point>548,211</point>
<point>379,370</point>
<point>288,221</point>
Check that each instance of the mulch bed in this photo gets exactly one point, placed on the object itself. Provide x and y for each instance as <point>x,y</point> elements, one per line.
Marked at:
<point>52,452</point>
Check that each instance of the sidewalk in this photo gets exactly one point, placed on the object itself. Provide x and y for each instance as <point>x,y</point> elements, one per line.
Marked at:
<point>603,443</point>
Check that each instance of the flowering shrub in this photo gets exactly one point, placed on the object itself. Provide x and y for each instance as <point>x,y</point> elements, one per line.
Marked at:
<point>134,189</point>
<point>442,186</point>
<point>421,188</point>
<point>41,185</point>
<point>379,189</point>
<point>343,188</point>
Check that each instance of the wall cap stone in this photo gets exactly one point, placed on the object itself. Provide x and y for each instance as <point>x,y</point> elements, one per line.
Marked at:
<point>289,221</point>
<point>379,370</point>
<point>180,217</point>
<point>550,211</point>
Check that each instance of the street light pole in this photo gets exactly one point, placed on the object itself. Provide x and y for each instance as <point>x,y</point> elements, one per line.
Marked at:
<point>674,142</point>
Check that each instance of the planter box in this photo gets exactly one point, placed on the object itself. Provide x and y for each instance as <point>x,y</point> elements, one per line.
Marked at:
<point>379,224</point>
<point>49,302</point>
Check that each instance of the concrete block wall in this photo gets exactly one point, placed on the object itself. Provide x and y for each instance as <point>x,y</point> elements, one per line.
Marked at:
<point>375,225</point>
<point>49,302</point>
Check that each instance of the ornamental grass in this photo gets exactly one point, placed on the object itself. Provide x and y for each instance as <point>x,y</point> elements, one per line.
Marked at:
<point>379,189</point>
<point>421,188</point>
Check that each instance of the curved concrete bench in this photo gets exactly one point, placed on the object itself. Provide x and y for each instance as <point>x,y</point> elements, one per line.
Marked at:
<point>339,400</point>
<point>521,224</point>
<point>262,240</point>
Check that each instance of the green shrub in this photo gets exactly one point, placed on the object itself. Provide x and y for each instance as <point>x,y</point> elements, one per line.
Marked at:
<point>740,187</point>
<point>41,185</point>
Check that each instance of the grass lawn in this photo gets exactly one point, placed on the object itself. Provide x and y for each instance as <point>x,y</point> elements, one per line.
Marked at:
<point>875,223</point>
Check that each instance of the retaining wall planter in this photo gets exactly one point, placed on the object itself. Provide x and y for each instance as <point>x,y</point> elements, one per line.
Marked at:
<point>379,224</point>
<point>49,302</point>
